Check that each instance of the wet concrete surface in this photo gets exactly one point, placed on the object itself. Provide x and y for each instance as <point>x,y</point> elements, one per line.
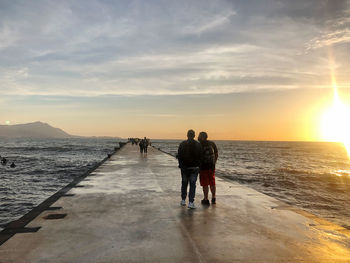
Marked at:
<point>128,211</point>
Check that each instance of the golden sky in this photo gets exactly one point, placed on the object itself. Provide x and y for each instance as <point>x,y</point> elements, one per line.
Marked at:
<point>275,115</point>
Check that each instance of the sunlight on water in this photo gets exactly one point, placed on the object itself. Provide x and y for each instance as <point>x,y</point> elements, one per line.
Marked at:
<point>341,172</point>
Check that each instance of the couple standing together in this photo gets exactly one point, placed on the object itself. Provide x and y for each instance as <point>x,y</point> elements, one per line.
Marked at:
<point>197,157</point>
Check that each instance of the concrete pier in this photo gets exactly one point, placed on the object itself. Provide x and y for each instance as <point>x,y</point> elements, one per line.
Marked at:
<point>128,210</point>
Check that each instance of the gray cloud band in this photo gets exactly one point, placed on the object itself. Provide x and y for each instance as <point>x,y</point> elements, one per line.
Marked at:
<point>179,47</point>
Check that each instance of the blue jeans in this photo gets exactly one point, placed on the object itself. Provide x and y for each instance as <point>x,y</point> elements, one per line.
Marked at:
<point>189,175</point>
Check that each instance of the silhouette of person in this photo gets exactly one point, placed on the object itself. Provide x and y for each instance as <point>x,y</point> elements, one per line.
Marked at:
<point>189,157</point>
<point>207,168</point>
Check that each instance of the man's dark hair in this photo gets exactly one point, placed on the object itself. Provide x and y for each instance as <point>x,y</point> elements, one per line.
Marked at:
<point>191,134</point>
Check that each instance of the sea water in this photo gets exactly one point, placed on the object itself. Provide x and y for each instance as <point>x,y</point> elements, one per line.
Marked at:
<point>43,166</point>
<point>310,175</point>
<point>314,176</point>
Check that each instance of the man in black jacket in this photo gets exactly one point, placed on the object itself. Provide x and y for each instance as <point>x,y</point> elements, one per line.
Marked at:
<point>189,155</point>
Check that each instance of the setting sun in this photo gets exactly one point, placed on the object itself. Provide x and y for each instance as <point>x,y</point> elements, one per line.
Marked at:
<point>335,124</point>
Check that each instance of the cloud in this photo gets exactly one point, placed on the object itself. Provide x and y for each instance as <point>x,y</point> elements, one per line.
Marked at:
<point>205,26</point>
<point>7,37</point>
<point>93,48</point>
<point>330,39</point>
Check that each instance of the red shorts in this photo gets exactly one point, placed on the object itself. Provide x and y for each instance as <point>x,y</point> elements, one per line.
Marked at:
<point>207,177</point>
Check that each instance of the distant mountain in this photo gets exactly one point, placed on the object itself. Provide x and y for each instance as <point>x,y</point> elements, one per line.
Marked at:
<point>32,130</point>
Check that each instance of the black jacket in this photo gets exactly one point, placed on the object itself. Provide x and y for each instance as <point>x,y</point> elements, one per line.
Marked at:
<point>189,154</point>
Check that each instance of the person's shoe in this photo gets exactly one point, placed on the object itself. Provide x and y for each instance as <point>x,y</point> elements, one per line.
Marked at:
<point>183,203</point>
<point>191,205</point>
<point>205,202</point>
<point>213,201</point>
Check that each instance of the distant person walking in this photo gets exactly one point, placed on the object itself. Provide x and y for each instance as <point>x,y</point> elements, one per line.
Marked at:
<point>145,144</point>
<point>207,168</point>
<point>189,156</point>
<point>141,145</point>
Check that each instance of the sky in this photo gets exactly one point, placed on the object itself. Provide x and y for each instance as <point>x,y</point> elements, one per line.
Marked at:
<point>246,70</point>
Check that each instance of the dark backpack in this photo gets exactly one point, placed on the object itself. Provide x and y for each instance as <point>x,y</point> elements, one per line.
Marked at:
<point>208,154</point>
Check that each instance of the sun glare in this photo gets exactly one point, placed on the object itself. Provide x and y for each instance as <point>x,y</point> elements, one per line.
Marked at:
<point>335,122</point>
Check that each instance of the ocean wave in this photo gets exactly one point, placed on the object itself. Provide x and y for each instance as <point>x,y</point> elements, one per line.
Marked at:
<point>293,171</point>
<point>280,147</point>
<point>341,172</point>
<point>35,172</point>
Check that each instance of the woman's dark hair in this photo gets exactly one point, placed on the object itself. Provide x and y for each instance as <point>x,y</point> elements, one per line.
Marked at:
<point>202,136</point>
